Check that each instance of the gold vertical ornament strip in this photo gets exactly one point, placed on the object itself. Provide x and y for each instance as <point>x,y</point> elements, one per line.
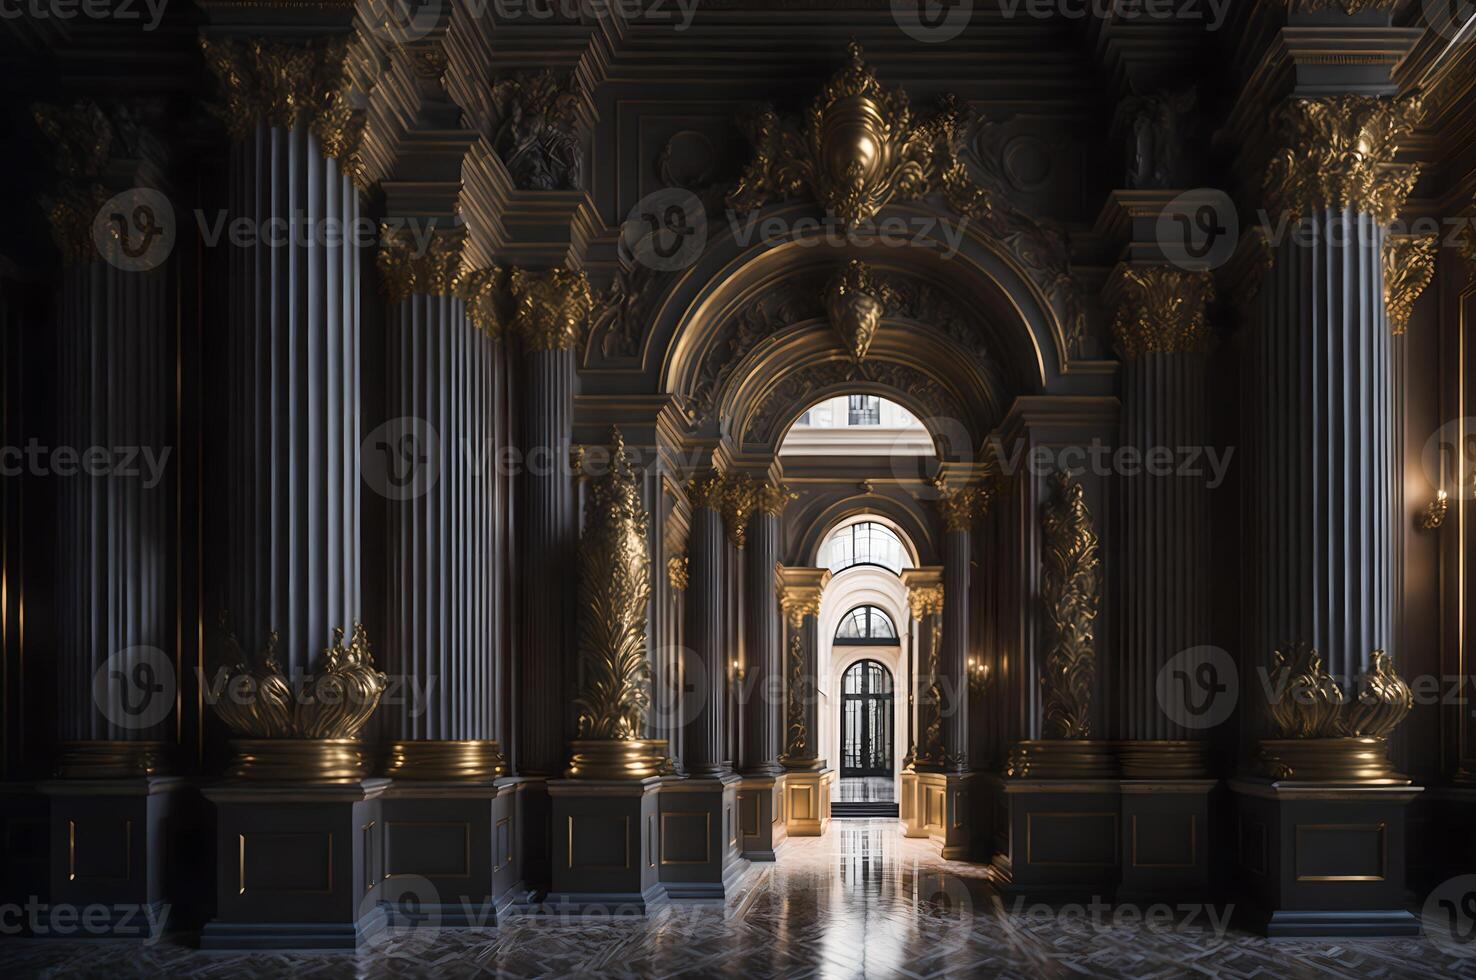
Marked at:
<point>1409,267</point>
<point>1338,152</point>
<point>285,83</point>
<point>1161,310</point>
<point>797,736</point>
<point>1072,593</point>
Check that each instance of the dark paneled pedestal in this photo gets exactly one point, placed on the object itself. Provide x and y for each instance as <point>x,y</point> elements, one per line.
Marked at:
<point>1061,838</point>
<point>698,837</point>
<point>605,846</point>
<point>110,844</point>
<point>451,851</point>
<point>1165,839</point>
<point>298,866</point>
<point>1324,860</point>
<point>761,832</point>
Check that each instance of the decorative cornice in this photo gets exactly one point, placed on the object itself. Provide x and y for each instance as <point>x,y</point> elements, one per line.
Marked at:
<point>772,498</point>
<point>855,302</point>
<point>284,83</point>
<point>1338,152</point>
<point>1161,310</point>
<point>549,309</point>
<point>1072,592</point>
<point>925,600</point>
<point>409,266</point>
<point>1409,267</point>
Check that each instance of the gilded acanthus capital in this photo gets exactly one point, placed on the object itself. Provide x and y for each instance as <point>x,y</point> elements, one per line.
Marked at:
<point>774,497</point>
<point>925,600</point>
<point>960,508</point>
<point>1161,309</point>
<point>284,83</point>
<point>1338,152</point>
<point>411,265</point>
<point>739,498</point>
<point>1409,267</point>
<point>707,490</point>
<point>549,308</point>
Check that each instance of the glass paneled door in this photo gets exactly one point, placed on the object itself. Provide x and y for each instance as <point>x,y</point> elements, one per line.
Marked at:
<point>866,720</point>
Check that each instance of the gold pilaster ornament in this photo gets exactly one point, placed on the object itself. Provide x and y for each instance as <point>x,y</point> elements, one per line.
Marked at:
<point>739,499</point>
<point>1409,267</point>
<point>311,733</point>
<point>798,603</point>
<point>1338,152</point>
<point>772,498</point>
<point>678,572</point>
<point>1322,735</point>
<point>81,138</point>
<point>614,671</point>
<point>1072,593</point>
<point>932,753</point>
<point>284,83</point>
<point>409,266</point>
<point>1161,310</point>
<point>549,308</point>
<point>855,302</point>
<point>857,149</point>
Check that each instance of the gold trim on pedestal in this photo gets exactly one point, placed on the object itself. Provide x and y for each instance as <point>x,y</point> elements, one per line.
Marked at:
<point>629,758</point>
<point>298,760</point>
<point>1062,758</point>
<point>112,759</point>
<point>1164,759</point>
<point>448,760</point>
<point>1329,760</point>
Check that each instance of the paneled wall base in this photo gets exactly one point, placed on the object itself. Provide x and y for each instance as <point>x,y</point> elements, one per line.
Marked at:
<point>807,802</point>
<point>1319,860</point>
<point>110,846</point>
<point>297,866</point>
<point>450,852</point>
<point>761,830</point>
<point>697,838</point>
<point>606,841</point>
<point>1165,839</point>
<point>1055,838</point>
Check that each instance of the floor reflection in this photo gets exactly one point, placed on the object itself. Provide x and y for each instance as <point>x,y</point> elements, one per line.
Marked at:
<point>861,902</point>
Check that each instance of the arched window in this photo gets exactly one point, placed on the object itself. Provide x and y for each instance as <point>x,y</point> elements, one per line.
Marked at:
<point>866,624</point>
<point>863,543</point>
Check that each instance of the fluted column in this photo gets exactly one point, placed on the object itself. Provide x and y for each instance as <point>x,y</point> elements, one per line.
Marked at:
<point>1161,334</point>
<point>925,600</point>
<point>706,636</point>
<point>114,376</point>
<point>1321,493</point>
<point>802,589</point>
<point>959,509</point>
<point>444,509</point>
<point>763,678</point>
<point>549,311</point>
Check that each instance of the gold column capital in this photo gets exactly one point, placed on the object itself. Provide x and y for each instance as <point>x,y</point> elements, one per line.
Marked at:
<point>1338,152</point>
<point>410,265</point>
<point>484,292</point>
<point>800,591</point>
<point>773,498</point>
<point>925,600</point>
<point>1409,267</point>
<point>283,83</point>
<point>1161,309</point>
<point>549,308</point>
<point>738,500</point>
<point>678,572</point>
<point>707,490</point>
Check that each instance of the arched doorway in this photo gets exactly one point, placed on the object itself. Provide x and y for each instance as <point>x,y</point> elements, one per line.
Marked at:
<point>867,695</point>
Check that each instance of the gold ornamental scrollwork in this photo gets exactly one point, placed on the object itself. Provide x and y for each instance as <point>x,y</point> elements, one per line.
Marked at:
<point>738,500</point>
<point>797,733</point>
<point>1072,593</point>
<point>1161,310</point>
<point>1409,267</point>
<point>284,83</point>
<point>549,308</point>
<point>1338,152</point>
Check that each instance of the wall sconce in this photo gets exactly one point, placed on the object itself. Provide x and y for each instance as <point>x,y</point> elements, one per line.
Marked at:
<point>1433,516</point>
<point>978,675</point>
<point>737,670</point>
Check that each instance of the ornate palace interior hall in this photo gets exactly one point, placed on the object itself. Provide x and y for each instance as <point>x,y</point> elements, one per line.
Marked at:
<point>791,487</point>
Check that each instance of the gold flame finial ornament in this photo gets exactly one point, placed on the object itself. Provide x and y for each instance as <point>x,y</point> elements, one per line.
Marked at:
<point>855,302</point>
<point>614,692</point>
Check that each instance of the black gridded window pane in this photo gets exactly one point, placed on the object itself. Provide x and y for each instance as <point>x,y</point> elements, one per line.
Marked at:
<point>864,410</point>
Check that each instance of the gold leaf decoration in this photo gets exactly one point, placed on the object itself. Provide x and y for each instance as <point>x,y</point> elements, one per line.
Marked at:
<point>1409,267</point>
<point>1161,310</point>
<point>614,588</point>
<point>1071,589</point>
<point>1305,701</point>
<point>549,309</point>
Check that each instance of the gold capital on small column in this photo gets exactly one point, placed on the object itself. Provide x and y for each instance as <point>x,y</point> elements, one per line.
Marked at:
<point>1337,152</point>
<point>283,83</point>
<point>549,308</point>
<point>774,497</point>
<point>410,265</point>
<point>1161,309</point>
<point>1409,267</point>
<point>925,600</point>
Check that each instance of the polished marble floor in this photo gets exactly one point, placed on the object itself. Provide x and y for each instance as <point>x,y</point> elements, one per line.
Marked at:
<point>860,902</point>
